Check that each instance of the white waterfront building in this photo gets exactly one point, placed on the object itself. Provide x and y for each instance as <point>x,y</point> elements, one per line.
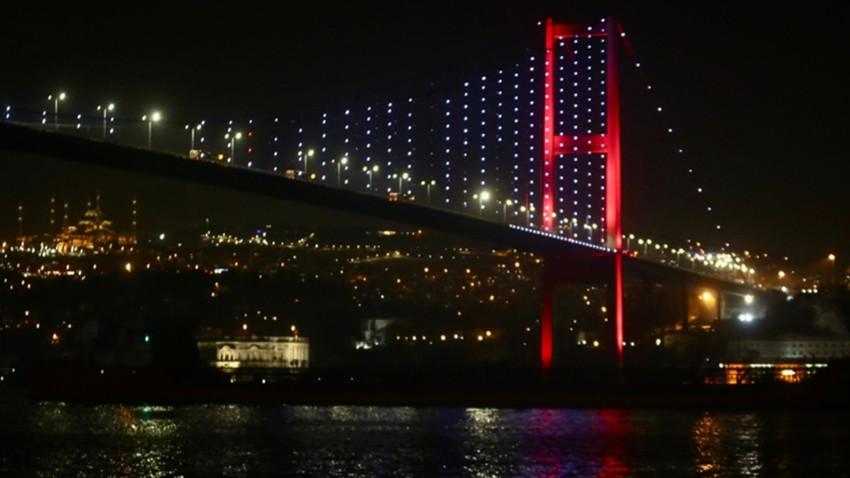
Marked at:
<point>790,347</point>
<point>789,358</point>
<point>239,355</point>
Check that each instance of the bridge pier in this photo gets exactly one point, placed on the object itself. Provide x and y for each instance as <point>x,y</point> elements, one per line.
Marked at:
<point>587,295</point>
<point>595,280</point>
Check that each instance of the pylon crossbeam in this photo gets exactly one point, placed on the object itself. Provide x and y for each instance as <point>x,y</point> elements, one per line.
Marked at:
<point>581,144</point>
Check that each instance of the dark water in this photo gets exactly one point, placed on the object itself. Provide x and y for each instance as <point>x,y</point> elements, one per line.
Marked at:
<point>56,439</point>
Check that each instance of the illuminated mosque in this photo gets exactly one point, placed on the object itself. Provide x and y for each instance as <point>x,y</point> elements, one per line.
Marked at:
<point>92,233</point>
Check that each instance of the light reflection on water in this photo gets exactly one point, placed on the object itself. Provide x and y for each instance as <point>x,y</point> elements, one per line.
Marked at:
<point>707,445</point>
<point>59,439</point>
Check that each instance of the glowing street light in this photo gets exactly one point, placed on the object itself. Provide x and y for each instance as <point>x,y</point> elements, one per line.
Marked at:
<point>56,99</point>
<point>831,258</point>
<point>192,130</point>
<point>645,243</point>
<point>525,211</point>
<point>570,224</point>
<point>305,155</point>
<point>339,164</point>
<point>105,109</point>
<point>428,185</point>
<point>590,228</point>
<point>505,205</point>
<point>369,171</point>
<point>628,239</point>
<point>481,198</point>
<point>232,137</point>
<point>400,177</point>
<point>155,116</point>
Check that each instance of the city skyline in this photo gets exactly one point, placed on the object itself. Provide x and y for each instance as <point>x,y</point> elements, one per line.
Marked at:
<point>792,190</point>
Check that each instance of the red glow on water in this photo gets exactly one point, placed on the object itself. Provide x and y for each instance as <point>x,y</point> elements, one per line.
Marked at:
<point>614,427</point>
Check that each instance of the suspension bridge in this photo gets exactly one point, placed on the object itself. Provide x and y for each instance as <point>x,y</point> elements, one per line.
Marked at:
<point>525,156</point>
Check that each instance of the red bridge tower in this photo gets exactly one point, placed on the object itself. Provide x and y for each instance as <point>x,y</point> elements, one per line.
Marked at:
<point>605,143</point>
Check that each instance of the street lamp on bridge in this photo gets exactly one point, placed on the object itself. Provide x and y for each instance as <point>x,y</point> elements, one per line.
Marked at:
<point>305,155</point>
<point>233,137</point>
<point>56,99</point>
<point>105,109</point>
<point>572,222</point>
<point>339,164</point>
<point>831,258</point>
<point>527,210</point>
<point>505,205</point>
<point>484,196</point>
<point>628,239</point>
<point>401,177</point>
<point>154,117</point>
<point>369,171</point>
<point>428,185</point>
<point>192,130</point>
<point>590,228</point>
<point>645,243</point>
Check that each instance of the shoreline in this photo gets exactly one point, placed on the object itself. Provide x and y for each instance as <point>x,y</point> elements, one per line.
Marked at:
<point>150,386</point>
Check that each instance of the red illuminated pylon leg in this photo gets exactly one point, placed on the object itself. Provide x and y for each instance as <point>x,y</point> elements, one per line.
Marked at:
<point>608,144</point>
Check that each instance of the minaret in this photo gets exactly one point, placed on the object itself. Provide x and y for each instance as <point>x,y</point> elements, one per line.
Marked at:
<point>52,216</point>
<point>20,220</point>
<point>65,216</point>
<point>97,207</point>
<point>135,222</point>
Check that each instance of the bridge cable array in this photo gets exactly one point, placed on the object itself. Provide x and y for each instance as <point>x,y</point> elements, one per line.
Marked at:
<point>669,131</point>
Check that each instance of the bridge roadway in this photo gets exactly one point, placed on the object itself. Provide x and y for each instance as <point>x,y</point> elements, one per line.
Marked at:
<point>277,186</point>
<point>272,185</point>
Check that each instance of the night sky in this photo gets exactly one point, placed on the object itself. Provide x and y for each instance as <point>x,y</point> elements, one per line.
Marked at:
<point>756,94</point>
